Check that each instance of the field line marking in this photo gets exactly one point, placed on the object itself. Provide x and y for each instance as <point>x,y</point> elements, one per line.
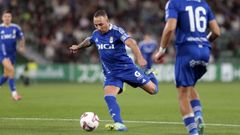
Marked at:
<point>126,121</point>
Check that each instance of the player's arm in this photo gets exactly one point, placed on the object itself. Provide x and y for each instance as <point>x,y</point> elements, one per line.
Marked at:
<point>21,44</point>
<point>168,31</point>
<point>215,30</point>
<point>131,43</point>
<point>84,44</point>
<point>20,40</point>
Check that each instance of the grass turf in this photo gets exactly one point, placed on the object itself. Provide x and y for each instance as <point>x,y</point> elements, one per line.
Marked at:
<point>58,106</point>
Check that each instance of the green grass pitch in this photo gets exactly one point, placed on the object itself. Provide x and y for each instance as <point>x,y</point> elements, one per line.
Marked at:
<point>55,108</point>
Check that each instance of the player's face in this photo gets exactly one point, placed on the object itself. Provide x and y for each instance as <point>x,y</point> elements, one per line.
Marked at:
<point>7,18</point>
<point>101,23</point>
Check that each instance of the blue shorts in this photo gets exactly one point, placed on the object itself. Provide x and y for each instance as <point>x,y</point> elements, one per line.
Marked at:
<point>134,77</point>
<point>11,57</point>
<point>191,63</point>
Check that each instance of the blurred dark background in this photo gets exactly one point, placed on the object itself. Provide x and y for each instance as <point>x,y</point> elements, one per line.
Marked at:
<point>51,26</point>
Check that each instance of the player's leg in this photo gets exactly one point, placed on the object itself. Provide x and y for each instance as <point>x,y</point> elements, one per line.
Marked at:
<point>199,70</point>
<point>188,69</point>
<point>9,70</point>
<point>197,109</point>
<point>150,88</point>
<point>195,103</point>
<point>4,77</point>
<point>184,78</point>
<point>110,93</point>
<point>186,110</point>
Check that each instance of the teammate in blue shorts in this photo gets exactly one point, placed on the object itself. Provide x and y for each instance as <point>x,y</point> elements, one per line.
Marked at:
<point>189,19</point>
<point>9,35</point>
<point>117,66</point>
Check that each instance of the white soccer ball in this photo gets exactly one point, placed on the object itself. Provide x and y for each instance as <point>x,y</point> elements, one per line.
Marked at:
<point>89,121</point>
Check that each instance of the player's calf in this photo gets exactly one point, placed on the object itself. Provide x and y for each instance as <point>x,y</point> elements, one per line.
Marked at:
<point>113,108</point>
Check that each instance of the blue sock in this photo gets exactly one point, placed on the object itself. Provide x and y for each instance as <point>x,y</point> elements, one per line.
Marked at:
<point>113,108</point>
<point>11,83</point>
<point>3,79</point>
<point>189,122</point>
<point>197,108</point>
<point>154,80</point>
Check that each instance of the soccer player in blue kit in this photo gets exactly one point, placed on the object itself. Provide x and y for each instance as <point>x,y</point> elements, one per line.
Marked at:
<point>117,66</point>
<point>9,35</point>
<point>189,19</point>
<point>147,47</point>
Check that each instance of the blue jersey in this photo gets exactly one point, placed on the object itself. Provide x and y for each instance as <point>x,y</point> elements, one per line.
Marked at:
<point>112,50</point>
<point>9,36</point>
<point>147,49</point>
<point>192,20</point>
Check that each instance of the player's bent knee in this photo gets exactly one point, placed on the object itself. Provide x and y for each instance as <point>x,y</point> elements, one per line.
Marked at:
<point>9,69</point>
<point>150,88</point>
<point>154,90</point>
<point>10,73</point>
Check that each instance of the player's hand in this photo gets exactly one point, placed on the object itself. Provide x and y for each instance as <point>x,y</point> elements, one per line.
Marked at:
<point>158,58</point>
<point>74,48</point>
<point>142,62</point>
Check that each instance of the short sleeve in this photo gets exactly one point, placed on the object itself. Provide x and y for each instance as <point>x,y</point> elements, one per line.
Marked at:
<point>210,14</point>
<point>91,39</point>
<point>170,10</point>
<point>121,34</point>
<point>19,33</point>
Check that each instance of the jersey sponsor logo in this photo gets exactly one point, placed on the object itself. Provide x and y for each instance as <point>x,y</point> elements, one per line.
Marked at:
<point>105,46</point>
<point>8,36</point>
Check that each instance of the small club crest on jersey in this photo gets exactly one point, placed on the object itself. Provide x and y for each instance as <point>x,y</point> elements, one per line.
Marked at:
<point>96,40</point>
<point>111,40</point>
<point>14,31</point>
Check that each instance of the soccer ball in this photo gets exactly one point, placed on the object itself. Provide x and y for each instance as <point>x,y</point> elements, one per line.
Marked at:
<point>89,121</point>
